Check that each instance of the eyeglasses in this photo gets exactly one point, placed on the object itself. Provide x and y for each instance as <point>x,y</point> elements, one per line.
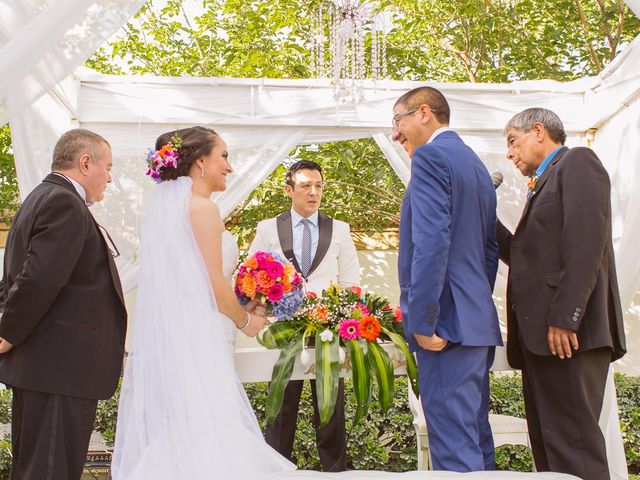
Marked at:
<point>111,246</point>
<point>399,116</point>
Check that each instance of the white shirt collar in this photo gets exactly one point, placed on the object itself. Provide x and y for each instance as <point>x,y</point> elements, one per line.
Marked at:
<point>296,218</point>
<point>79,188</point>
<point>438,132</point>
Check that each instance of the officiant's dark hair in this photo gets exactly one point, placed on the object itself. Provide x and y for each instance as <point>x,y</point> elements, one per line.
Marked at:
<point>427,96</point>
<point>301,165</point>
<point>195,142</point>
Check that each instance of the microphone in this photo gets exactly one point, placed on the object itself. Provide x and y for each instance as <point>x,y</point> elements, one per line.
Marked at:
<point>497,178</point>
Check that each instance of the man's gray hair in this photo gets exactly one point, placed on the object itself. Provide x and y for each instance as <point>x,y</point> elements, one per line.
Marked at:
<point>72,145</point>
<point>526,119</point>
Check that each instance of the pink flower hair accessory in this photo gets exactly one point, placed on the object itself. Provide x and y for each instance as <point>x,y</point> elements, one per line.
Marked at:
<point>166,157</point>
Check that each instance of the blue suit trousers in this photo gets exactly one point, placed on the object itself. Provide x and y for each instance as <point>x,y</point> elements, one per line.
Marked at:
<point>454,391</point>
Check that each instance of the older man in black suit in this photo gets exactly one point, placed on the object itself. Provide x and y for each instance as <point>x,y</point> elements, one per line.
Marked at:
<point>63,328</point>
<point>564,316</point>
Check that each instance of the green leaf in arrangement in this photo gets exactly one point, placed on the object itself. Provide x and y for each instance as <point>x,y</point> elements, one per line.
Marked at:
<point>380,364</point>
<point>361,377</point>
<point>412,369</point>
<point>327,375</point>
<point>278,335</point>
<point>280,377</point>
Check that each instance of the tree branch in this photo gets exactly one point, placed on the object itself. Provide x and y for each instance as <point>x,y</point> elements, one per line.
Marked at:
<point>584,25</point>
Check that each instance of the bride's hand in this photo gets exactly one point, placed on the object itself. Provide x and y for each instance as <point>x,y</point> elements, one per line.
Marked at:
<point>256,323</point>
<point>255,306</point>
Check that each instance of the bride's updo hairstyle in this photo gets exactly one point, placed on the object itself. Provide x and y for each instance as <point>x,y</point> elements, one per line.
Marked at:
<point>195,142</point>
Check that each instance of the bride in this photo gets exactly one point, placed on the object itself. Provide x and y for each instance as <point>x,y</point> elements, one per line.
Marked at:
<point>183,412</point>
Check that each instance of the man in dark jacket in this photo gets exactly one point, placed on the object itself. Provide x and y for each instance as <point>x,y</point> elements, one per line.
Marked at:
<point>63,328</point>
<point>563,307</point>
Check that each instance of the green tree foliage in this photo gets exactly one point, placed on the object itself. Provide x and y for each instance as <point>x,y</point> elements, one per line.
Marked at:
<point>8,180</point>
<point>457,40</point>
<point>507,40</point>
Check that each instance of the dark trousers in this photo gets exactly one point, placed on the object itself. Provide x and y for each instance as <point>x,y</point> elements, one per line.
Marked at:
<point>563,400</point>
<point>454,390</point>
<point>331,438</point>
<point>50,435</point>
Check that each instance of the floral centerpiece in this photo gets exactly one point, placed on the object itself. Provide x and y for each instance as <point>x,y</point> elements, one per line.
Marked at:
<point>342,320</point>
<point>273,281</point>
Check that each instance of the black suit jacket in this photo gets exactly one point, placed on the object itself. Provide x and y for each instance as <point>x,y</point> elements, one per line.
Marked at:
<point>64,309</point>
<point>562,269</point>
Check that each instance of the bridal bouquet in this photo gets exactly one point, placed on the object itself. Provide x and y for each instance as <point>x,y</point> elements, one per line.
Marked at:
<point>272,280</point>
<point>347,329</point>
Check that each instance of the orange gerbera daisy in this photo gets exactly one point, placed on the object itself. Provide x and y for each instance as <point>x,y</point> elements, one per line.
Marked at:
<point>369,328</point>
<point>252,263</point>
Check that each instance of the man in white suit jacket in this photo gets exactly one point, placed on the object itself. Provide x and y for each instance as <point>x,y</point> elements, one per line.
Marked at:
<point>321,249</point>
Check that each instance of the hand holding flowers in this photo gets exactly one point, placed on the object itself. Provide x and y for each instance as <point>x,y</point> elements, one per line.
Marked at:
<point>267,279</point>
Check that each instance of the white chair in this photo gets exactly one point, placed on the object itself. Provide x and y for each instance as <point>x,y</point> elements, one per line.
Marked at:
<point>507,430</point>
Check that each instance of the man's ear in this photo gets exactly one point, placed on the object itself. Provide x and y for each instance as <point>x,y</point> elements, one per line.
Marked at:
<point>288,189</point>
<point>539,131</point>
<point>425,113</point>
<point>83,163</point>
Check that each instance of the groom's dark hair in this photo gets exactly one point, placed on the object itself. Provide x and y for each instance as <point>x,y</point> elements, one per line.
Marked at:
<point>301,165</point>
<point>427,96</point>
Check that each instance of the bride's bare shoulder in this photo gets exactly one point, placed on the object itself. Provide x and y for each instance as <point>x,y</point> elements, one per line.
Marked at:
<point>201,207</point>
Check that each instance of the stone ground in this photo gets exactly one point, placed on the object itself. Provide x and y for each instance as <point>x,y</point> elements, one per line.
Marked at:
<point>96,442</point>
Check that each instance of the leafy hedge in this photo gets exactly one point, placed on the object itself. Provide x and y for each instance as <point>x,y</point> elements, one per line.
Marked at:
<point>388,442</point>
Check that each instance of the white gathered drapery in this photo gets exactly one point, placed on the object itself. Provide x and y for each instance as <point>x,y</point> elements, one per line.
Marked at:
<point>43,41</point>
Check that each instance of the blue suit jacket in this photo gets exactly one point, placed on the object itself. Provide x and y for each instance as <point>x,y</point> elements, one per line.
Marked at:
<point>448,255</point>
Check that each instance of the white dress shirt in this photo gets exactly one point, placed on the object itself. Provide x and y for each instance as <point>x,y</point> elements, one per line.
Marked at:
<point>438,132</point>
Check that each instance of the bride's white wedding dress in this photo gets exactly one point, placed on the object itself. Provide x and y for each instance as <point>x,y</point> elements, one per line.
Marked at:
<point>183,412</point>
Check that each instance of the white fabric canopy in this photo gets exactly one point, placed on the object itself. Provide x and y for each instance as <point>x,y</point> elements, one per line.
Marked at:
<point>42,41</point>
<point>634,5</point>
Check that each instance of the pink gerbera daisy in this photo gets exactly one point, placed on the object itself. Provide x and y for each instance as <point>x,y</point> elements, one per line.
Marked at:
<point>349,329</point>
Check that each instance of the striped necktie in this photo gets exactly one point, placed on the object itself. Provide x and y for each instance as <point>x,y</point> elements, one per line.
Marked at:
<point>305,260</point>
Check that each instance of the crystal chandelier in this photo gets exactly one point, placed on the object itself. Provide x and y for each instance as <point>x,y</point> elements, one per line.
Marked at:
<point>348,22</point>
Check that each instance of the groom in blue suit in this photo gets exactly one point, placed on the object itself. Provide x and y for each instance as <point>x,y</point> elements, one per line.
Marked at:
<point>448,258</point>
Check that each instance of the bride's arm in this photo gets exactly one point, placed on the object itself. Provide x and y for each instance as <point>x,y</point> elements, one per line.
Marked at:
<point>207,230</point>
